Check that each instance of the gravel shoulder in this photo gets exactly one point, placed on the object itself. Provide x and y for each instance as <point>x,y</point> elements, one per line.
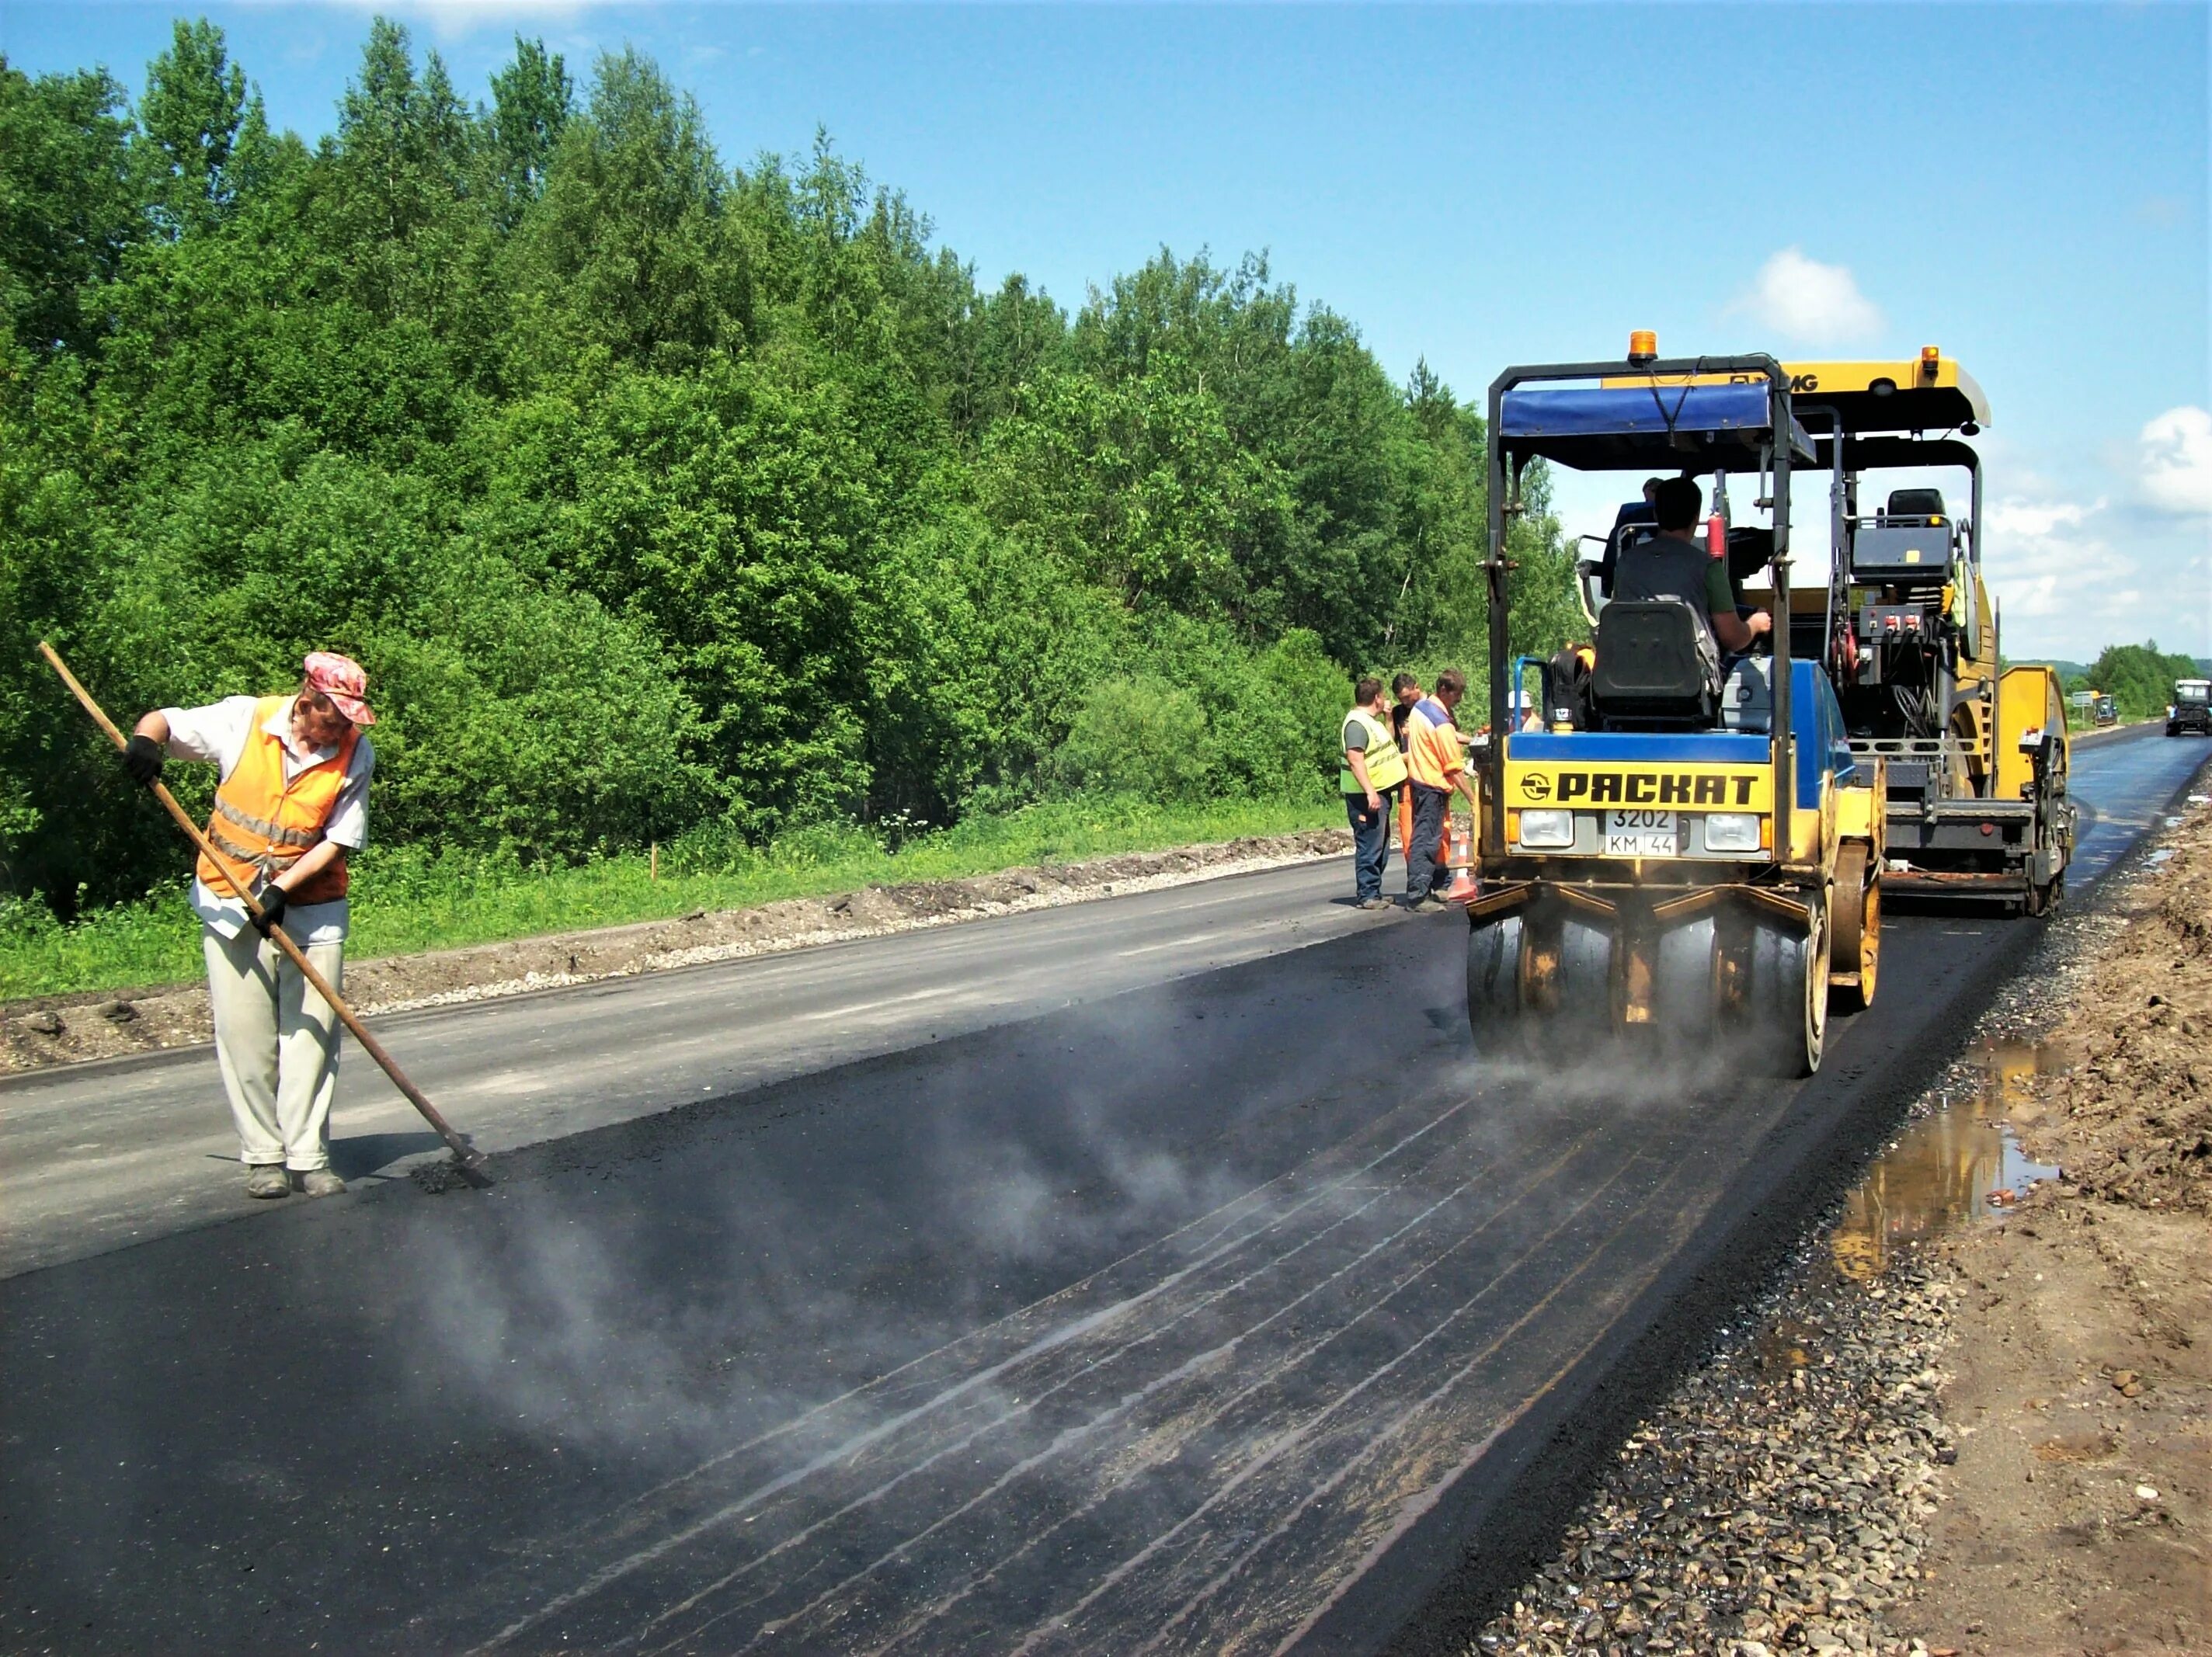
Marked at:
<point>1943,1435</point>
<point>45,1031</point>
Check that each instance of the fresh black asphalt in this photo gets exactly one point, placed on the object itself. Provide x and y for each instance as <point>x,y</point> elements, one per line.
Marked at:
<point>1242,1313</point>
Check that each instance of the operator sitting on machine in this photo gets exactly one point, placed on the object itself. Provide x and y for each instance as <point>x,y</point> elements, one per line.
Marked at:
<point>1674,564</point>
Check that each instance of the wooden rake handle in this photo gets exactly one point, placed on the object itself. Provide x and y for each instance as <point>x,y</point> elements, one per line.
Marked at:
<point>470,1161</point>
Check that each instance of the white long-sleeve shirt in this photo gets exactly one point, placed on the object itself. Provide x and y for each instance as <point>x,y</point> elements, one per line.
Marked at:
<point>218,733</point>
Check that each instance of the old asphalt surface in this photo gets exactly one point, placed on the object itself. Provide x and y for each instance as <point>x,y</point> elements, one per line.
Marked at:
<point>1235,1310</point>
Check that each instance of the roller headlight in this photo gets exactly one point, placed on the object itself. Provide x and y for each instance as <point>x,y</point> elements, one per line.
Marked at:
<point>1547,831</point>
<point>1731,831</point>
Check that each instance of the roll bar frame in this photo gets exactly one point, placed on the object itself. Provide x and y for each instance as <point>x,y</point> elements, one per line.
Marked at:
<point>1502,510</point>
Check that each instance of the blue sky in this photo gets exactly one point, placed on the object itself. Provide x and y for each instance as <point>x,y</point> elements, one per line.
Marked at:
<point>2025,185</point>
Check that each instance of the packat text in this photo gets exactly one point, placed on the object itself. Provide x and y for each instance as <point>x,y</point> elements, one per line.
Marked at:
<point>1713,789</point>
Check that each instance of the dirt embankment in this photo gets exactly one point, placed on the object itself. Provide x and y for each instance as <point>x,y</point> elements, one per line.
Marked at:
<point>2078,1512</point>
<point>68,1029</point>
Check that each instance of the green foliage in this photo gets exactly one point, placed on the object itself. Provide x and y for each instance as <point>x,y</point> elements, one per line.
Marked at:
<point>531,100</point>
<point>202,140</point>
<point>1146,737</point>
<point>2139,678</point>
<point>664,499</point>
<point>68,207</point>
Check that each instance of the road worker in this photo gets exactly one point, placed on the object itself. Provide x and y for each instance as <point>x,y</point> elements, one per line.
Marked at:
<point>291,806</point>
<point>1405,689</point>
<point>1436,764</point>
<point>1675,564</point>
<point>1374,770</point>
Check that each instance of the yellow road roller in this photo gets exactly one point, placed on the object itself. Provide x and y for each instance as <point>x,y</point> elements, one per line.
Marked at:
<point>1680,845</point>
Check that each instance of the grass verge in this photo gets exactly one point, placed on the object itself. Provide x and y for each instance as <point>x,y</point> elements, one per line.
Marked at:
<point>407,899</point>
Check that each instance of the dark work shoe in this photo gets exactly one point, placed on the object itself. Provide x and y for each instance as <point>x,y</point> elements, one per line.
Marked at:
<point>321,1182</point>
<point>268,1180</point>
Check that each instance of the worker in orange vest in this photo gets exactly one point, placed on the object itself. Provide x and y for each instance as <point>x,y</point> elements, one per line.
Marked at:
<point>1437,765</point>
<point>291,806</point>
<point>1406,689</point>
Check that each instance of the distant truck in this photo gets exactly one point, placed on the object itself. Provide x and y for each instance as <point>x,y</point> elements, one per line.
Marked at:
<point>2190,713</point>
<point>2102,710</point>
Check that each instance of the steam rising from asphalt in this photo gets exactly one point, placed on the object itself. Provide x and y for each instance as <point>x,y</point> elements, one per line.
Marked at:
<point>672,1317</point>
<point>677,1314</point>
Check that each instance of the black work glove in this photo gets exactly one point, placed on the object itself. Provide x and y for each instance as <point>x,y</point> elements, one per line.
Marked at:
<point>142,758</point>
<point>273,905</point>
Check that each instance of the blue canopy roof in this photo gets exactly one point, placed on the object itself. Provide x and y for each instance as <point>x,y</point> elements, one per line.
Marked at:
<point>1688,426</point>
<point>1591,411</point>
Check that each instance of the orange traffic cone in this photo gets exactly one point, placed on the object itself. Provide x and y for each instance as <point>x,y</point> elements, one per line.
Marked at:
<point>1461,860</point>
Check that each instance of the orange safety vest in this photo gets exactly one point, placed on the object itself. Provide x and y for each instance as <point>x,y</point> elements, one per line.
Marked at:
<point>1432,751</point>
<point>263,823</point>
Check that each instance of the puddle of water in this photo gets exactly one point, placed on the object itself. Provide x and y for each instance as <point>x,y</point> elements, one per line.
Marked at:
<point>1944,1171</point>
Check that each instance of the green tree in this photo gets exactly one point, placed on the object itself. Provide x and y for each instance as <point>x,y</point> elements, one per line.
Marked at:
<point>68,207</point>
<point>532,100</point>
<point>201,135</point>
<point>625,252</point>
<point>2139,678</point>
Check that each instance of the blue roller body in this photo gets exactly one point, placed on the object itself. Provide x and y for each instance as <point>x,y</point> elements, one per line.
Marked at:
<point>1823,751</point>
<point>1633,747</point>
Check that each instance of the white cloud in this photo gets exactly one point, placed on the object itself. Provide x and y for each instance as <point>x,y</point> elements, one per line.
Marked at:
<point>1806,300</point>
<point>2038,520</point>
<point>2062,585</point>
<point>2177,460</point>
<point>454,20</point>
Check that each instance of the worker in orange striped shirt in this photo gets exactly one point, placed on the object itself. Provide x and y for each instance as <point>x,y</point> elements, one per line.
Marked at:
<point>1438,763</point>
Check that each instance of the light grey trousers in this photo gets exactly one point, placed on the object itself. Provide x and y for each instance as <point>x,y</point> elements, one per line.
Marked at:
<point>277,1042</point>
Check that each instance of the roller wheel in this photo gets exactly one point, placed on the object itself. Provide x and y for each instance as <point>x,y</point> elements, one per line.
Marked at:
<point>1684,993</point>
<point>1493,989</point>
<point>1775,986</point>
<point>1857,947</point>
<point>1537,992</point>
<point>2042,900</point>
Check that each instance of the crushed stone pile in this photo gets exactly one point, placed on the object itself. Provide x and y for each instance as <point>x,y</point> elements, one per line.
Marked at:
<point>1777,1502</point>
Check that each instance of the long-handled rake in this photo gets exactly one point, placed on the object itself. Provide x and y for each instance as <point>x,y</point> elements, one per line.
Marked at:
<point>467,1161</point>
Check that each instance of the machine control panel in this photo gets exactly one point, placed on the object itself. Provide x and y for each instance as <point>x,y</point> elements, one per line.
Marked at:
<point>1884,623</point>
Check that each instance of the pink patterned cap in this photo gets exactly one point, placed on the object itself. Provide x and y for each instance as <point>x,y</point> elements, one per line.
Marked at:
<point>341,679</point>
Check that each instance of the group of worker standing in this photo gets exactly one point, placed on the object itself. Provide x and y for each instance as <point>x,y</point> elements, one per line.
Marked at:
<point>1404,759</point>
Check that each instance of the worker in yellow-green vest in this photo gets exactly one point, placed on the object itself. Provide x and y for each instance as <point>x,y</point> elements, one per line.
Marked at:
<point>1374,770</point>
<point>292,805</point>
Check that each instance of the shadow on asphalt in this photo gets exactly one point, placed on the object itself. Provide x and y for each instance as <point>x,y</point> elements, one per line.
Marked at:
<point>364,1154</point>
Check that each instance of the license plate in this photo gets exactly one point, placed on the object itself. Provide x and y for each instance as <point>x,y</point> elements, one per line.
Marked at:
<point>1642,834</point>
